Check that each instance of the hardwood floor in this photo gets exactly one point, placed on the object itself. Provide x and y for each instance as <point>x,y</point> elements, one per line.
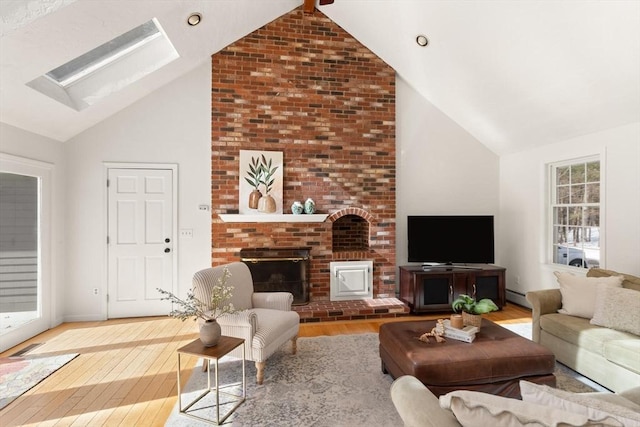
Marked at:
<point>125,374</point>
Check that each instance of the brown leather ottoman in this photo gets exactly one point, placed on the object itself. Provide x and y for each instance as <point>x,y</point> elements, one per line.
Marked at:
<point>494,362</point>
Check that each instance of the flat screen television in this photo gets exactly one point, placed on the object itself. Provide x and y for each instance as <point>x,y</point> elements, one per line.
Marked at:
<point>451,239</point>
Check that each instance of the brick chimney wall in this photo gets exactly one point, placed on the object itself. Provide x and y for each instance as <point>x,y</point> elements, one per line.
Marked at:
<point>303,86</point>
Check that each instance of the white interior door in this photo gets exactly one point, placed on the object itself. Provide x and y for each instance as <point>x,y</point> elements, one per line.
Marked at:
<point>141,241</point>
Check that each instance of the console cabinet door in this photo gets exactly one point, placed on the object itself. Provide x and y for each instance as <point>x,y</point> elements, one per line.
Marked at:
<point>488,284</point>
<point>435,291</point>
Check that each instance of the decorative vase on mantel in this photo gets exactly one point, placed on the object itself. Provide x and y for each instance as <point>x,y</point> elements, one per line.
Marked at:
<point>309,206</point>
<point>297,208</point>
<point>210,333</point>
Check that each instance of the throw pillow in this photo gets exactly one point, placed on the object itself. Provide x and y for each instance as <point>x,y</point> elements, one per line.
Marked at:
<point>473,409</point>
<point>579,293</point>
<point>587,404</point>
<point>617,308</point>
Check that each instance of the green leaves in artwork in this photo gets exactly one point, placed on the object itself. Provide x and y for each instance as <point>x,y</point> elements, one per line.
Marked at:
<point>254,173</point>
<point>261,171</point>
<point>268,173</point>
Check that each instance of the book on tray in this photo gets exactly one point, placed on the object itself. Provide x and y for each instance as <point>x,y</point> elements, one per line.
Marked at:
<point>466,334</point>
<point>452,334</point>
<point>467,330</point>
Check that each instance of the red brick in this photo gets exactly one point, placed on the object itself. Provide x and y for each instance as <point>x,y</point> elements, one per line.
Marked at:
<point>303,86</point>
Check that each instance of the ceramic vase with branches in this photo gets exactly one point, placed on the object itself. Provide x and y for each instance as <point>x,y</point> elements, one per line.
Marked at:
<point>267,203</point>
<point>254,178</point>
<point>207,312</point>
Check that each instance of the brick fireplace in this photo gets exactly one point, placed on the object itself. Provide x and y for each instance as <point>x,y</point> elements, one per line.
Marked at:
<point>303,86</point>
<point>279,270</point>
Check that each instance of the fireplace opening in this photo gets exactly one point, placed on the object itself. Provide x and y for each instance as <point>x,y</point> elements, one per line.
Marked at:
<point>280,270</point>
<point>350,233</point>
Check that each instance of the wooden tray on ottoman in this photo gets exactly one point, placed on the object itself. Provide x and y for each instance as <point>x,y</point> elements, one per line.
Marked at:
<point>493,363</point>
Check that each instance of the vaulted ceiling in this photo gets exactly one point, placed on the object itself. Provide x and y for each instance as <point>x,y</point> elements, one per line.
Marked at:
<point>514,74</point>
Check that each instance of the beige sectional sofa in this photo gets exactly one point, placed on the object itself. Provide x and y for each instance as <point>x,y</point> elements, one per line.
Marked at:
<point>609,355</point>
<point>540,406</point>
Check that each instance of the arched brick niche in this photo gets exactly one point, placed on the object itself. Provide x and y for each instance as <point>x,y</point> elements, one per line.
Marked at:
<point>350,230</point>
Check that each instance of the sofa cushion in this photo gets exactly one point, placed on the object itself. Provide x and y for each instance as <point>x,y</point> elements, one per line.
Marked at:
<point>632,394</point>
<point>580,332</point>
<point>629,282</point>
<point>624,353</point>
<point>579,292</point>
<point>473,409</point>
<point>606,410</point>
<point>417,406</point>
<point>623,398</point>
<point>617,308</point>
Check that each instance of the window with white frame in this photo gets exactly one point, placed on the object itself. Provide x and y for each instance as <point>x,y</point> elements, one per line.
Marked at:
<point>575,212</point>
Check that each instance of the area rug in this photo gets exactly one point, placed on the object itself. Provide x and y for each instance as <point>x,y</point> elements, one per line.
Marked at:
<point>21,373</point>
<point>332,381</point>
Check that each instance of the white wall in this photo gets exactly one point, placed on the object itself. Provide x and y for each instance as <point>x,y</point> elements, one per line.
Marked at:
<point>440,168</point>
<point>523,195</point>
<point>171,125</point>
<point>18,142</point>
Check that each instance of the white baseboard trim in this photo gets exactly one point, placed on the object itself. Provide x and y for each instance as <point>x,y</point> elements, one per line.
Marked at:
<point>83,318</point>
<point>517,298</point>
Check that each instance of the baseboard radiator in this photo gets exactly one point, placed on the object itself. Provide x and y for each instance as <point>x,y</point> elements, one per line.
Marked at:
<point>517,298</point>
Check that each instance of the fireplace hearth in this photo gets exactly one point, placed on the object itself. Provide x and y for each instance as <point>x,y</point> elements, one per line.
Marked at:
<point>280,270</point>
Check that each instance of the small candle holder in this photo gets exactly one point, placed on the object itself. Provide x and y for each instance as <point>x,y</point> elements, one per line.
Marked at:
<point>456,321</point>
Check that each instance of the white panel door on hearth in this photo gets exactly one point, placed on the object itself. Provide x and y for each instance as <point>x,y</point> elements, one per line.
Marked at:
<point>140,241</point>
<point>351,280</point>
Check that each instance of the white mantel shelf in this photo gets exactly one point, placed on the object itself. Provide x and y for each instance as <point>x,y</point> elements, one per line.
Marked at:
<point>273,217</point>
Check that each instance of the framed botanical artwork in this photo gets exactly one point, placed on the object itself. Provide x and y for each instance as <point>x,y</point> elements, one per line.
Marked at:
<point>261,177</point>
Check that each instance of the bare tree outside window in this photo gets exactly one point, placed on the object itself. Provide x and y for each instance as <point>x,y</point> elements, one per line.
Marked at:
<point>575,212</point>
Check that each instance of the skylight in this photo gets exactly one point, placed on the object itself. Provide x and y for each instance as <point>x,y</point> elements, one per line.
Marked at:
<point>108,68</point>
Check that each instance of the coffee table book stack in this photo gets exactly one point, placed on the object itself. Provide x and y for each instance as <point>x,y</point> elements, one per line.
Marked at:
<point>465,334</point>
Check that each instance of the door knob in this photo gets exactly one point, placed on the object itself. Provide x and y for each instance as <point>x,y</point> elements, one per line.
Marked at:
<point>167,240</point>
<point>167,250</point>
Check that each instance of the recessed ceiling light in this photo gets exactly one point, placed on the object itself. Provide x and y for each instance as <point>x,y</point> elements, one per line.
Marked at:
<point>194,19</point>
<point>422,40</point>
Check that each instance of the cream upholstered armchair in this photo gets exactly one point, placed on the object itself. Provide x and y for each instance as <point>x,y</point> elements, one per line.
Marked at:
<point>266,321</point>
